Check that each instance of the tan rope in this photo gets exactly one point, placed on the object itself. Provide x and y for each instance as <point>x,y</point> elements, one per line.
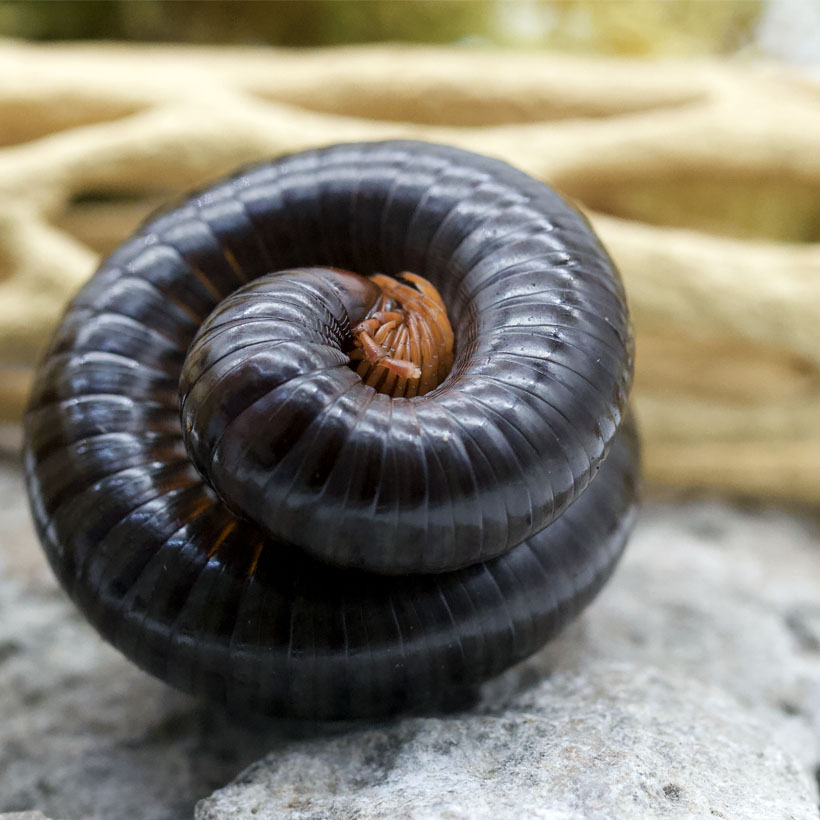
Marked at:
<point>702,178</point>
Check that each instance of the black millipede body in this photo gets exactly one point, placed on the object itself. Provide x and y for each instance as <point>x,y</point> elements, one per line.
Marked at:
<point>240,511</point>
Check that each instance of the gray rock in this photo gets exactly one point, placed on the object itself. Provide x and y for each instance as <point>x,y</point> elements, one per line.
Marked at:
<point>615,743</point>
<point>719,595</point>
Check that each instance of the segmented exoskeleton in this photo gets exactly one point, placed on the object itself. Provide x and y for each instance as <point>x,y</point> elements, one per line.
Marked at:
<point>235,508</point>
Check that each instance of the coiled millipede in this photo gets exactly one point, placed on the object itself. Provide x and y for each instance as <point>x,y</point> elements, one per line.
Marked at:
<point>227,493</point>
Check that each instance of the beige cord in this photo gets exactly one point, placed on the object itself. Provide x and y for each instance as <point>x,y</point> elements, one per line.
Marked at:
<point>701,177</point>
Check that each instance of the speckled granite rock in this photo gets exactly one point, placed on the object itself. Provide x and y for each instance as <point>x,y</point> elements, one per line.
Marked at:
<point>673,697</point>
<point>616,742</point>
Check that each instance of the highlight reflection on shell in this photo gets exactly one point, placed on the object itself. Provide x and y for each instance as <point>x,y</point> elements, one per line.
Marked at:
<point>301,544</point>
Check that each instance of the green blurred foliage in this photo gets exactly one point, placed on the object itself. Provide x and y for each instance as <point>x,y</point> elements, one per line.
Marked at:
<point>636,27</point>
<point>287,22</point>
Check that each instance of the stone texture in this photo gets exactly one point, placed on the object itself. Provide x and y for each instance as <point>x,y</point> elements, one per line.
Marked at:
<point>691,686</point>
<point>725,596</point>
<point>614,743</point>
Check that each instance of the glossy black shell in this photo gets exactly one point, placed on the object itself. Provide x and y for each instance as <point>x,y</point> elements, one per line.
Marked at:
<point>486,481</point>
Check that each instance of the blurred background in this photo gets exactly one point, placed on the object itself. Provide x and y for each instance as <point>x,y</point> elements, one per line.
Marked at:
<point>630,27</point>
<point>686,130</point>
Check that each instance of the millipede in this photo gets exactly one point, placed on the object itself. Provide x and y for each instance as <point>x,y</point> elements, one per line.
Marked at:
<point>343,434</point>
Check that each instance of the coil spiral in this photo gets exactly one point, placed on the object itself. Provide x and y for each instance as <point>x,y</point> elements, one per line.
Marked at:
<point>231,505</point>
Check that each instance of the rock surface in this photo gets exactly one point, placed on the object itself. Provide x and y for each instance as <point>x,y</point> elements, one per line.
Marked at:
<point>727,597</point>
<point>615,742</point>
<point>690,689</point>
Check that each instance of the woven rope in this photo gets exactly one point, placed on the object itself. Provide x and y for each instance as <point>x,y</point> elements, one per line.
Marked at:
<point>693,173</point>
